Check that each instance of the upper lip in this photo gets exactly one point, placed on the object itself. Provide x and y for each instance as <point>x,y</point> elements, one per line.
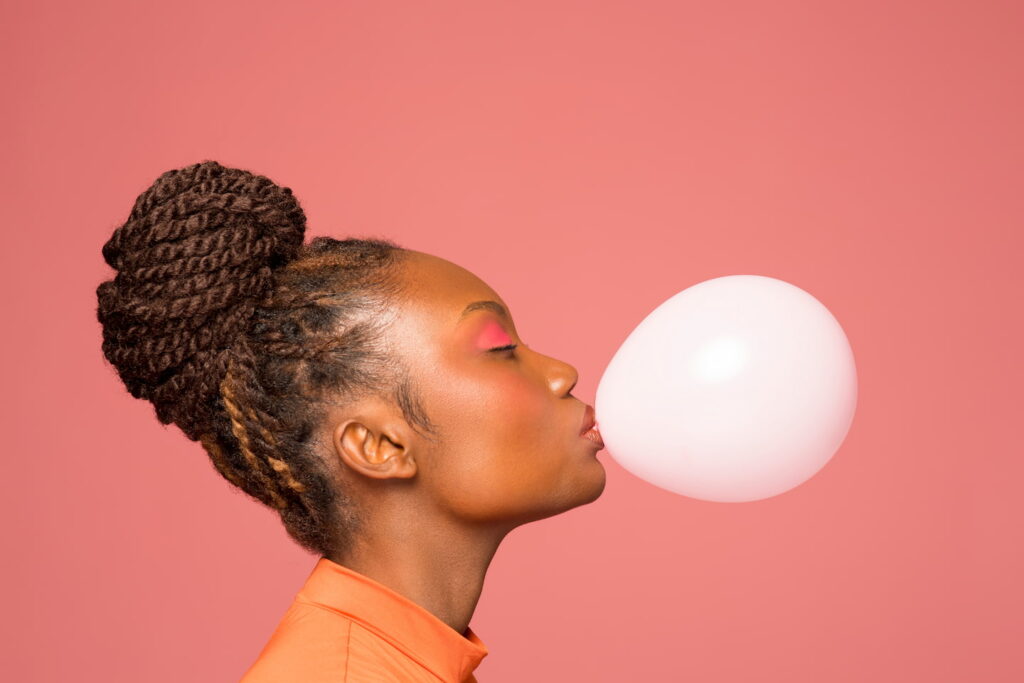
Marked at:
<point>588,419</point>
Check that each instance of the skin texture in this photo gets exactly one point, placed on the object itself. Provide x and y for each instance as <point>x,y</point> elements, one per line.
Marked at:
<point>508,449</point>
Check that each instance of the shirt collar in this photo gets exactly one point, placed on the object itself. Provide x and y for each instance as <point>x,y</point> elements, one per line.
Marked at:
<point>396,619</point>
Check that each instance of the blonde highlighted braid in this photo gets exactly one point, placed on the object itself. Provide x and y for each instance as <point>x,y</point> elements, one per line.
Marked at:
<point>241,335</point>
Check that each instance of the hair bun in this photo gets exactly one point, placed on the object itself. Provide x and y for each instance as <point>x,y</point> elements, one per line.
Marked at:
<point>193,261</point>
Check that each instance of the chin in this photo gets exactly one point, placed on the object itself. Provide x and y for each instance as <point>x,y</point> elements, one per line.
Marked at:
<point>599,489</point>
<point>595,487</point>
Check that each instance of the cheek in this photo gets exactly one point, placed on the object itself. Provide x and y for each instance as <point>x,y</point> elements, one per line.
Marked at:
<point>517,414</point>
<point>500,417</point>
<point>499,453</point>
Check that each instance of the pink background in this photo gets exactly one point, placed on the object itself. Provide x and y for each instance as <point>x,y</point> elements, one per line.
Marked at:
<point>588,160</point>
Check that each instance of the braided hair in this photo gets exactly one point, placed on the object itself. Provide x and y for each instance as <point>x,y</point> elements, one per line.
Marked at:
<point>241,335</point>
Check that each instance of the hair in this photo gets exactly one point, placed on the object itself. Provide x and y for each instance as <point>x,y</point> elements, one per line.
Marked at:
<point>241,335</point>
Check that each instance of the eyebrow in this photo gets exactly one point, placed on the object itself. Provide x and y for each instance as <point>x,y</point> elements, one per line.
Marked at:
<point>485,305</point>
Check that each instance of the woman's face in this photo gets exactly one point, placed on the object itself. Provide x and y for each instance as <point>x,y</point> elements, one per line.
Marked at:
<point>510,448</point>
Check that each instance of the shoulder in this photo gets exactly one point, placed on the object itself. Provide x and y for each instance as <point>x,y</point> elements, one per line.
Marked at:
<point>315,644</point>
<point>309,644</point>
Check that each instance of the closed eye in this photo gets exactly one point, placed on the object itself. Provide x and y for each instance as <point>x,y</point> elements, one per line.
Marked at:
<point>509,347</point>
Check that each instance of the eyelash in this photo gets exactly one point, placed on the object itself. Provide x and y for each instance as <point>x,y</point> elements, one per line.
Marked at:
<point>510,347</point>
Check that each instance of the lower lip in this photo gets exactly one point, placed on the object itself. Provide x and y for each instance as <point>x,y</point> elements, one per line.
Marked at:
<point>593,435</point>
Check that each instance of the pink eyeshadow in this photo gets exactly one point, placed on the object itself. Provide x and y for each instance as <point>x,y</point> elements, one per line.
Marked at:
<point>493,335</point>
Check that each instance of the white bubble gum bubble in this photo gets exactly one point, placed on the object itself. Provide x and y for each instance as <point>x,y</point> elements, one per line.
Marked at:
<point>736,389</point>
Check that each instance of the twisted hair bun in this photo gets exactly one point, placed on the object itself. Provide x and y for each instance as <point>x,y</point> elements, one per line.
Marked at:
<point>194,260</point>
<point>242,335</point>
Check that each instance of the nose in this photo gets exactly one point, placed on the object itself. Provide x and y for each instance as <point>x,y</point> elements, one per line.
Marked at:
<point>562,377</point>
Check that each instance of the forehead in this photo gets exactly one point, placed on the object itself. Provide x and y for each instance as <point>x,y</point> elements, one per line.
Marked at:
<point>425,331</point>
<point>438,290</point>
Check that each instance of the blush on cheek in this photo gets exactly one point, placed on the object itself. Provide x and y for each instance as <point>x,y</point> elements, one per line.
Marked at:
<point>491,336</point>
<point>524,411</point>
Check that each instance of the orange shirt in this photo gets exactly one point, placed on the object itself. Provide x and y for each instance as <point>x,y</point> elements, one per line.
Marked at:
<point>344,626</point>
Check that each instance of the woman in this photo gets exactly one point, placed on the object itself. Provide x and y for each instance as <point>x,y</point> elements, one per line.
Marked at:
<point>379,398</point>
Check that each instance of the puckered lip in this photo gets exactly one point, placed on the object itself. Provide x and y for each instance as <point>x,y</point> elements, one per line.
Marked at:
<point>589,419</point>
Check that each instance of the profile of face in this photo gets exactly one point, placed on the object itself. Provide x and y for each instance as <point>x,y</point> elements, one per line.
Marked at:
<point>510,449</point>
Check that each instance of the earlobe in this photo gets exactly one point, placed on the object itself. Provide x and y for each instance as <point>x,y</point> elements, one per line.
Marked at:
<point>373,453</point>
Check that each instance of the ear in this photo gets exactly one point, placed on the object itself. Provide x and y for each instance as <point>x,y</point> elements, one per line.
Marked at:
<point>379,450</point>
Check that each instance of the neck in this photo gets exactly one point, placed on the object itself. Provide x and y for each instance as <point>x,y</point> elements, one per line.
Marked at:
<point>437,564</point>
